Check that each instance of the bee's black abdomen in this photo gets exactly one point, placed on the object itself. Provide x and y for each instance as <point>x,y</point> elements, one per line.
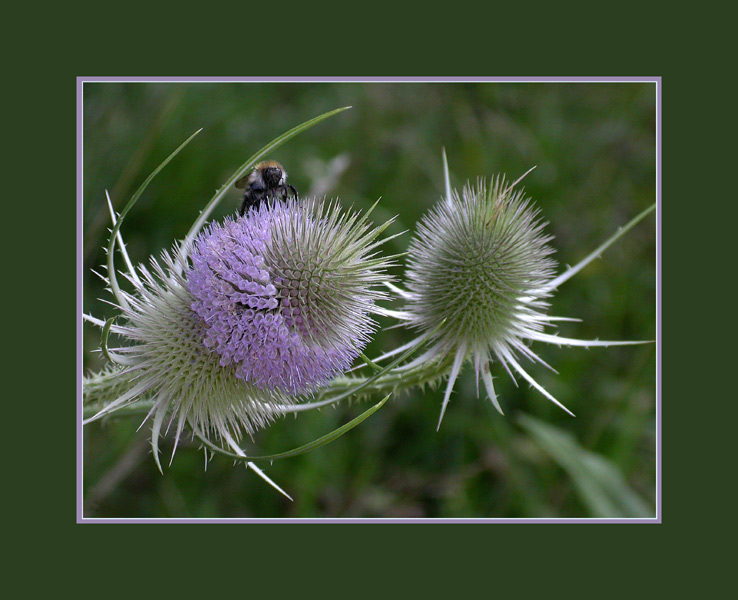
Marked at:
<point>266,182</point>
<point>251,198</point>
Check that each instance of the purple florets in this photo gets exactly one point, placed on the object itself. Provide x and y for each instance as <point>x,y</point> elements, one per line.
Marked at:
<point>257,315</point>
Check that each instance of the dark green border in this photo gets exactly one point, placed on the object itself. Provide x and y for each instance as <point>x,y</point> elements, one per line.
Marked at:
<point>285,557</point>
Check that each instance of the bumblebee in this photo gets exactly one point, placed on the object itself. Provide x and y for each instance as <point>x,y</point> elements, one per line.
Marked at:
<point>267,180</point>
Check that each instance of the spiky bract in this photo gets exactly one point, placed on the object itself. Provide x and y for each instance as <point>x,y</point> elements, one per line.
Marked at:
<point>167,361</point>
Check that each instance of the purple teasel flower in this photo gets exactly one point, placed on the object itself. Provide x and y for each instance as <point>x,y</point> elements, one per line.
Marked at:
<point>275,304</point>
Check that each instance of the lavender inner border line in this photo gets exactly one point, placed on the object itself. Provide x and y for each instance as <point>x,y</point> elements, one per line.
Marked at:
<point>609,79</point>
<point>372,79</point>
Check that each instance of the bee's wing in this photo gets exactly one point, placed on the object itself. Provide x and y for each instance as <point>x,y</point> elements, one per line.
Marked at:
<point>243,182</point>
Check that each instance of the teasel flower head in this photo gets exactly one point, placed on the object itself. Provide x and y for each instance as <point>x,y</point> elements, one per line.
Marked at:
<point>285,293</point>
<point>481,265</point>
<point>272,305</point>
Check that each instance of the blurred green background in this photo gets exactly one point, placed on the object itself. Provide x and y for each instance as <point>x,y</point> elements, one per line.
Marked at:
<point>594,146</point>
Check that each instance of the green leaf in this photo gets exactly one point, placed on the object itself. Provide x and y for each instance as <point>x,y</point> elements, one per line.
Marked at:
<point>321,441</point>
<point>600,485</point>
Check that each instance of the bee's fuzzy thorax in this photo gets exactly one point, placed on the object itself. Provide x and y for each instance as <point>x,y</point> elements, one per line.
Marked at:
<point>266,164</point>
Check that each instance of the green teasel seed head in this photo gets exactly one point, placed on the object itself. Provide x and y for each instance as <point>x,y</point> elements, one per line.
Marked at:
<point>480,261</point>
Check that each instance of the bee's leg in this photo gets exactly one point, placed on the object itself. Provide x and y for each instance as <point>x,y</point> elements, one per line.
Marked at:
<point>293,190</point>
<point>281,193</point>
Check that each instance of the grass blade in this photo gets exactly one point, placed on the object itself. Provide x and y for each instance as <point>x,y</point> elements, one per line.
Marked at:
<point>600,485</point>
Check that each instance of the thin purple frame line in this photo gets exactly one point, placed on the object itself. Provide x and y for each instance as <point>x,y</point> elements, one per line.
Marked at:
<point>379,521</point>
<point>80,514</point>
<point>657,80</point>
<point>659,407</point>
<point>373,79</point>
